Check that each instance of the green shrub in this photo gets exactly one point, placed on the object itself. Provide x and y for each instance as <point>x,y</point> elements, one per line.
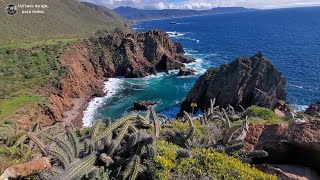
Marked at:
<point>257,114</point>
<point>204,163</point>
<point>207,163</point>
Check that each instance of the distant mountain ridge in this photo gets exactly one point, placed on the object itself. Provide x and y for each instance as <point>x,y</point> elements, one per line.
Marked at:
<point>140,14</point>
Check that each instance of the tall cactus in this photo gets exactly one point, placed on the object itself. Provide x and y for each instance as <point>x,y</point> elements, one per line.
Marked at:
<point>38,142</point>
<point>156,125</point>
<point>74,142</point>
<point>132,169</point>
<point>77,171</point>
<point>60,156</point>
<point>228,137</point>
<point>191,130</point>
<point>120,136</point>
<point>115,125</point>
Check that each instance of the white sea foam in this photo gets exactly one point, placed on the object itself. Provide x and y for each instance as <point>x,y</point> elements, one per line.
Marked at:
<point>174,34</point>
<point>299,108</point>
<point>110,87</point>
<point>198,65</point>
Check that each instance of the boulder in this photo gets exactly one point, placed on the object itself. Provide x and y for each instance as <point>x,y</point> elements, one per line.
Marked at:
<point>283,106</point>
<point>142,105</point>
<point>245,82</point>
<point>186,72</point>
<point>290,115</point>
<point>285,172</point>
<point>287,143</point>
<point>279,113</point>
<point>313,109</point>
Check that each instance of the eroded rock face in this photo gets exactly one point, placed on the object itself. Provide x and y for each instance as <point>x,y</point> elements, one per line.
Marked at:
<point>186,72</point>
<point>294,143</point>
<point>313,109</point>
<point>142,54</point>
<point>142,105</point>
<point>91,62</point>
<point>245,82</point>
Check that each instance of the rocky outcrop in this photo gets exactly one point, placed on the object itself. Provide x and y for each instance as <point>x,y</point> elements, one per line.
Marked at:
<point>287,143</point>
<point>289,172</point>
<point>245,82</point>
<point>313,109</point>
<point>186,72</point>
<point>141,54</point>
<point>24,170</point>
<point>142,105</point>
<point>91,62</point>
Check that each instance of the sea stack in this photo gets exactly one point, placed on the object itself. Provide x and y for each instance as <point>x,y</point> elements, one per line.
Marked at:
<point>245,82</point>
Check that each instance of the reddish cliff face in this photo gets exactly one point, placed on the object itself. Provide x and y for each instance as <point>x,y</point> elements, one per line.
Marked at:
<point>91,62</point>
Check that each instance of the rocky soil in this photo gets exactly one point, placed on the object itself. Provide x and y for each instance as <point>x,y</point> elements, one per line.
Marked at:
<point>245,82</point>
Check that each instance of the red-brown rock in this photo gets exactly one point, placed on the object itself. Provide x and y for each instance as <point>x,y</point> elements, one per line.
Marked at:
<point>91,62</point>
<point>294,143</point>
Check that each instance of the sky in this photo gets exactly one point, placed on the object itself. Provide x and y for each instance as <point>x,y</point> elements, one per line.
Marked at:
<point>205,4</point>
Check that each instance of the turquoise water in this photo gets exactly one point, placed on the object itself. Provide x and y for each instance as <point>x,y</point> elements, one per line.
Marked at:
<point>290,38</point>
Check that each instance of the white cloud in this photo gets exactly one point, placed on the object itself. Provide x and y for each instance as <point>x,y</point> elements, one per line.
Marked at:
<point>206,4</point>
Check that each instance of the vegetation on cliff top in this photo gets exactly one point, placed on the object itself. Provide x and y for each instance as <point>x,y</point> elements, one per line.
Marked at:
<point>63,19</point>
<point>23,72</point>
<point>207,146</point>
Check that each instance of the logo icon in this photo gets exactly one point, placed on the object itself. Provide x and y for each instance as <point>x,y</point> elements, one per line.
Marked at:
<point>11,9</point>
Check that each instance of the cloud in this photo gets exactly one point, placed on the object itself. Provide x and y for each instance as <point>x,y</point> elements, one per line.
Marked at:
<point>205,4</point>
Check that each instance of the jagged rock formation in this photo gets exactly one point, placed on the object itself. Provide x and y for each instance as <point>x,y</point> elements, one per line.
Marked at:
<point>91,62</point>
<point>245,82</point>
<point>313,109</point>
<point>186,72</point>
<point>294,143</point>
<point>142,105</point>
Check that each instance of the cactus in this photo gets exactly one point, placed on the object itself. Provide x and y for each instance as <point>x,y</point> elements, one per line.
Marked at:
<point>147,119</point>
<point>74,142</point>
<point>228,137</point>
<point>120,136</point>
<point>20,140</point>
<point>65,146</point>
<point>191,126</point>
<point>60,156</point>
<point>156,125</point>
<point>96,129</point>
<point>115,125</point>
<point>132,169</point>
<point>38,142</point>
<point>256,154</point>
<point>78,170</point>
<point>228,124</point>
<point>233,148</point>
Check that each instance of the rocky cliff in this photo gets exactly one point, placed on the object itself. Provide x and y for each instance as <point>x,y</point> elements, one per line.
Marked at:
<point>245,82</point>
<point>287,143</point>
<point>91,62</point>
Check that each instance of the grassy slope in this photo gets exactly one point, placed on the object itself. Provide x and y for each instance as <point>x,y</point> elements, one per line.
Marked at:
<point>30,46</point>
<point>63,19</point>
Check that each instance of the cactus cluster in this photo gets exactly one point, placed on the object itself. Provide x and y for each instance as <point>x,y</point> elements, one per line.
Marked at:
<point>231,141</point>
<point>122,148</point>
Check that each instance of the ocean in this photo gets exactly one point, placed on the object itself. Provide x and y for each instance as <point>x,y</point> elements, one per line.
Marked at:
<point>290,38</point>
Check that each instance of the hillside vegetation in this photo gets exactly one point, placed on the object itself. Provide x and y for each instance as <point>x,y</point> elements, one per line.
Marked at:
<point>63,19</point>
